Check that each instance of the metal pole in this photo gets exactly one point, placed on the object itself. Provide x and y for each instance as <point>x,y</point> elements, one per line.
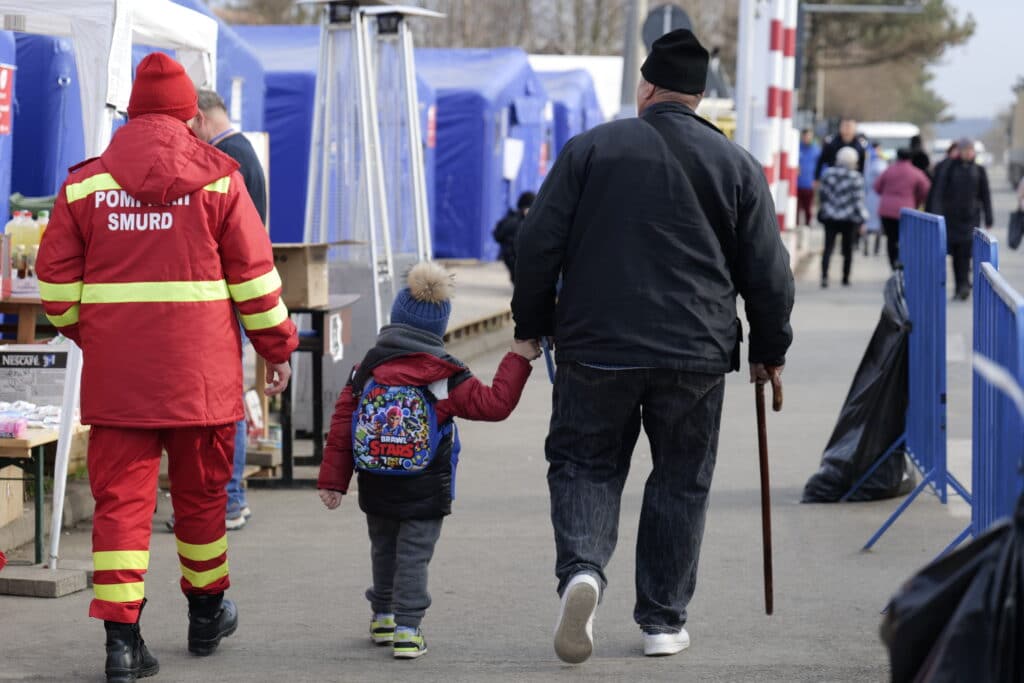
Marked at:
<point>330,126</point>
<point>316,140</point>
<point>362,100</point>
<point>857,9</point>
<point>72,380</point>
<point>419,182</point>
<point>632,56</point>
<point>386,267</point>
<point>744,72</point>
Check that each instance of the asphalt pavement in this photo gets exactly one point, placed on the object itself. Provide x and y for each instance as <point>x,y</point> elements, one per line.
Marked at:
<point>299,571</point>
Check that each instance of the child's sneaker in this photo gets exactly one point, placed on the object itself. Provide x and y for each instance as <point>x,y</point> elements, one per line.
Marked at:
<point>409,643</point>
<point>382,628</point>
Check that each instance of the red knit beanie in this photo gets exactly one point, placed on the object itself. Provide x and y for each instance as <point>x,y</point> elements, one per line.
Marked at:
<point>162,87</point>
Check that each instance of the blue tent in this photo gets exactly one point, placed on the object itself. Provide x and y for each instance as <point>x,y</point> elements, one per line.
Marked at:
<point>484,98</point>
<point>8,56</point>
<point>235,59</point>
<point>290,56</point>
<point>47,115</point>
<point>576,106</point>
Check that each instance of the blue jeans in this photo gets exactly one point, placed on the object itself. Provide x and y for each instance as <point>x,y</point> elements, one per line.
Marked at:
<point>595,422</point>
<point>236,492</point>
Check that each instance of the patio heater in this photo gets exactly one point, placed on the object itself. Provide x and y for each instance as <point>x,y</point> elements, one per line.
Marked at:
<point>346,204</point>
<point>402,135</point>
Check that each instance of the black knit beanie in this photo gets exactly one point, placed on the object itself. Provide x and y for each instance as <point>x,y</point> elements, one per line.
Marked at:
<point>677,62</point>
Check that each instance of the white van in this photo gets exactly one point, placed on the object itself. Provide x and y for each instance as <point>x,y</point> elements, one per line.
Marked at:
<point>891,135</point>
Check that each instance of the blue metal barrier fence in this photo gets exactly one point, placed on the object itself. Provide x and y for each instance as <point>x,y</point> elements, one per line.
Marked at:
<point>923,252</point>
<point>998,439</point>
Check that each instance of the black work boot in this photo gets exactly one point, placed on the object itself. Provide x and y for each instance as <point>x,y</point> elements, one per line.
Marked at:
<point>210,618</point>
<point>128,658</point>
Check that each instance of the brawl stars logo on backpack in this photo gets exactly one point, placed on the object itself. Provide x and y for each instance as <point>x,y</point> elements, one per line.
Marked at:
<point>395,431</point>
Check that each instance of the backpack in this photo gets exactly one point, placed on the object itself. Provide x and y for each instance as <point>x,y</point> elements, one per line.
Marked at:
<point>395,430</point>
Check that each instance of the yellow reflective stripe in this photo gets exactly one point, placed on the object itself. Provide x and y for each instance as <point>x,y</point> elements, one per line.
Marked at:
<point>120,592</point>
<point>108,560</point>
<point>204,579</point>
<point>100,181</point>
<point>202,553</point>
<point>66,292</point>
<point>154,292</point>
<point>67,319</point>
<point>257,287</point>
<point>261,321</point>
<point>220,185</point>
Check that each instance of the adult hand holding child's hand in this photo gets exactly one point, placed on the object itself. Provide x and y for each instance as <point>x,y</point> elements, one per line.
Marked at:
<point>528,349</point>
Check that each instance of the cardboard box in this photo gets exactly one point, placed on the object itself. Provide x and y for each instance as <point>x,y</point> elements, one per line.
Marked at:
<point>303,270</point>
<point>12,495</point>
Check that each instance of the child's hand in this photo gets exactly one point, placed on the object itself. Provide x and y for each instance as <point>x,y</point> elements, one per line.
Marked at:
<point>528,349</point>
<point>331,499</point>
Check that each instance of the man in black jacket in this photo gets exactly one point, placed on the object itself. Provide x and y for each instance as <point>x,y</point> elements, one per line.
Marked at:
<point>847,138</point>
<point>654,224</point>
<point>507,230</point>
<point>962,197</point>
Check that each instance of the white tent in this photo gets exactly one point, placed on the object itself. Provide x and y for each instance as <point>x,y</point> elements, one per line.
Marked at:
<point>103,32</point>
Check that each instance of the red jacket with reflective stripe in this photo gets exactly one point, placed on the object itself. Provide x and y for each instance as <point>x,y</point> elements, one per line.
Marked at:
<point>150,250</point>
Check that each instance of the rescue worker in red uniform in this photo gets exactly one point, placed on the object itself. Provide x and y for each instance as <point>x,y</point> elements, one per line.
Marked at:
<point>151,249</point>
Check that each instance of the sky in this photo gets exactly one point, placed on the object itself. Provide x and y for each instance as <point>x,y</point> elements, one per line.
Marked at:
<point>976,78</point>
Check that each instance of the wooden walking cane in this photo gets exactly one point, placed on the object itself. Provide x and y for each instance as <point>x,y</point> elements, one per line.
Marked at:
<point>766,502</point>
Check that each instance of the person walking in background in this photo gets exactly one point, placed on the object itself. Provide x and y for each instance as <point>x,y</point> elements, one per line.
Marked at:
<point>847,138</point>
<point>810,151</point>
<point>875,168</point>
<point>843,210</point>
<point>902,186</point>
<point>933,203</point>
<point>152,250</point>
<point>507,230</point>
<point>655,224</point>
<point>919,156</point>
<point>964,197</point>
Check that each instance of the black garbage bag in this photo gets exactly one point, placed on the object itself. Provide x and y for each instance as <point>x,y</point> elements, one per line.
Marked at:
<point>873,416</point>
<point>962,617</point>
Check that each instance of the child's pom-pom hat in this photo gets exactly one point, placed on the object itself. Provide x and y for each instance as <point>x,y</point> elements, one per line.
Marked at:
<point>425,302</point>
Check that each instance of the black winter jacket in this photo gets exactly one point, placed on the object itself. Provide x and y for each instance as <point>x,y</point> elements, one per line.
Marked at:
<point>831,149</point>
<point>654,234</point>
<point>962,196</point>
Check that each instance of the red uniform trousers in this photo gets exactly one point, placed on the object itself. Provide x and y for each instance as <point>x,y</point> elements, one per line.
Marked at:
<point>124,465</point>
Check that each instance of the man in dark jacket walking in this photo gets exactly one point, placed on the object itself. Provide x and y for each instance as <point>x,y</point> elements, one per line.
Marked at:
<point>963,194</point>
<point>847,138</point>
<point>654,224</point>
<point>507,230</point>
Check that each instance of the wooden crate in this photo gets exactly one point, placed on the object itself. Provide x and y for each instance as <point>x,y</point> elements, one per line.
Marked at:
<point>263,457</point>
<point>12,495</point>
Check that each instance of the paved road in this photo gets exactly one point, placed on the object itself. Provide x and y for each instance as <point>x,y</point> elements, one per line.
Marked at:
<point>299,571</point>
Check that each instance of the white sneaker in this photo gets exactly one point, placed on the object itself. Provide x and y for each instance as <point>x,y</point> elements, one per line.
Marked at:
<point>664,644</point>
<point>574,632</point>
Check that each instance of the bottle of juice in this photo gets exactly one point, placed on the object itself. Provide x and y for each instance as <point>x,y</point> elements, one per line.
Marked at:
<point>42,220</point>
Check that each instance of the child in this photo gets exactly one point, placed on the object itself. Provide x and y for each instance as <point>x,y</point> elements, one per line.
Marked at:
<point>394,423</point>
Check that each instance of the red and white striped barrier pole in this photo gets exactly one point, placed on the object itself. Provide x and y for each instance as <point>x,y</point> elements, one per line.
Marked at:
<point>791,137</point>
<point>776,87</point>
